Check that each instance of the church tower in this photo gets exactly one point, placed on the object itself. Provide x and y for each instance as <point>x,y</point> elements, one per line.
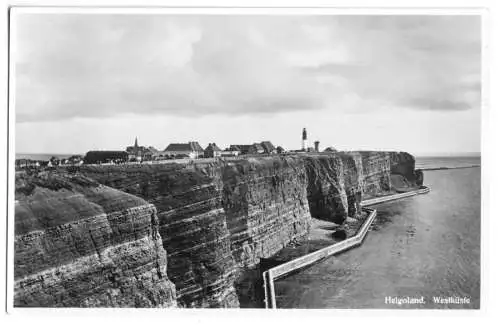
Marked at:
<point>304,139</point>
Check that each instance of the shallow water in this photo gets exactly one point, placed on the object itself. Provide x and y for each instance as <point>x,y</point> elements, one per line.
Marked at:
<point>423,246</point>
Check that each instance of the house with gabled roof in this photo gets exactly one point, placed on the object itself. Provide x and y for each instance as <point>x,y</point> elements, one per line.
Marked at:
<point>268,147</point>
<point>188,150</point>
<point>139,153</point>
<point>257,148</point>
<point>235,148</point>
<point>247,149</point>
<point>212,151</point>
<point>228,152</point>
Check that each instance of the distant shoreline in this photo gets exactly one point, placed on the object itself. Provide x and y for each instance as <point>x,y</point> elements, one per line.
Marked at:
<point>444,168</point>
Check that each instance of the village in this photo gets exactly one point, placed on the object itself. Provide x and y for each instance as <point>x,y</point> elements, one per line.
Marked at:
<point>173,152</point>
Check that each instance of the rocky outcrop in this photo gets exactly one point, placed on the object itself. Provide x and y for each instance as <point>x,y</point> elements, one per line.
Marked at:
<point>338,182</point>
<point>419,177</point>
<point>218,219</point>
<point>81,244</point>
<point>402,163</point>
<point>326,187</point>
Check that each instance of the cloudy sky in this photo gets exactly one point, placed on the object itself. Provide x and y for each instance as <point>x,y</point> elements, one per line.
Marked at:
<point>96,81</point>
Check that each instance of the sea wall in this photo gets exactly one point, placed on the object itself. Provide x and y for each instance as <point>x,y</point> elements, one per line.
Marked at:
<point>279,271</point>
<point>81,244</point>
<point>217,219</point>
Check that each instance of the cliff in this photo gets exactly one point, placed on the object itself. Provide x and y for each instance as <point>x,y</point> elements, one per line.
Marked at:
<point>337,183</point>
<point>82,244</point>
<point>217,219</point>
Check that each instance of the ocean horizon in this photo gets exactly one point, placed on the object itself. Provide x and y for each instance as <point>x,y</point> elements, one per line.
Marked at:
<point>34,155</point>
<point>45,156</point>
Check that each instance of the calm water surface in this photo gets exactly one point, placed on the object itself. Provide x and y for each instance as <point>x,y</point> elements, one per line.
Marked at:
<point>427,245</point>
<point>449,162</point>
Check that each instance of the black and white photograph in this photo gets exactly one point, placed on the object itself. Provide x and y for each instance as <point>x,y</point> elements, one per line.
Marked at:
<point>250,158</point>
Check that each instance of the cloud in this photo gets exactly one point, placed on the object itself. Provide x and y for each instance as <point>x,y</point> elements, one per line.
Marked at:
<point>102,66</point>
<point>438,104</point>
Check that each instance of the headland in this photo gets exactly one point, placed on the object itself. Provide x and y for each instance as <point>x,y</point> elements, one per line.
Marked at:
<point>184,234</point>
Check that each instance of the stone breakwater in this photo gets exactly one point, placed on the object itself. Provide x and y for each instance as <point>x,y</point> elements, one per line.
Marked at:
<point>82,244</point>
<point>217,220</point>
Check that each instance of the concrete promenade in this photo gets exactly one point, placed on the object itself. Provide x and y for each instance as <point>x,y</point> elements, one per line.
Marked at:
<point>382,199</point>
<point>284,269</point>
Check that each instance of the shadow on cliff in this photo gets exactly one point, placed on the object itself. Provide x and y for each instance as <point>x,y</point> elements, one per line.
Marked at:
<point>250,287</point>
<point>333,187</point>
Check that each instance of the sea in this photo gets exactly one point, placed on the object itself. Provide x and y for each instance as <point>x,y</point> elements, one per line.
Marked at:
<point>422,252</point>
<point>43,156</point>
<point>447,162</point>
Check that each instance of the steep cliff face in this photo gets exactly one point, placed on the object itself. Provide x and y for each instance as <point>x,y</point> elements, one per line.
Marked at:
<point>80,244</point>
<point>377,172</point>
<point>265,202</point>
<point>402,163</point>
<point>218,218</point>
<point>192,225</point>
<point>215,220</point>
<point>326,187</point>
<point>337,182</point>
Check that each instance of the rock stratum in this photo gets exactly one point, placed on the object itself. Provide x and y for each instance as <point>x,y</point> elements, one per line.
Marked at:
<point>215,220</point>
<point>82,244</point>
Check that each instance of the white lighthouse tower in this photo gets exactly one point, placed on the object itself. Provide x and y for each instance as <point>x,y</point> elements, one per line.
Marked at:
<point>304,139</point>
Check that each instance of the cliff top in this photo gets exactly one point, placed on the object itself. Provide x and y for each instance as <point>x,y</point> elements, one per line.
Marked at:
<point>51,199</point>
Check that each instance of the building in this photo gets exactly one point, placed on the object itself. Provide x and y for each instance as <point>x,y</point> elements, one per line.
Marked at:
<point>153,151</point>
<point>330,149</point>
<point>268,147</point>
<point>184,150</point>
<point>139,153</point>
<point>316,146</point>
<point>54,161</point>
<point>304,139</point>
<point>235,148</point>
<point>212,151</point>
<point>247,149</point>
<point>257,148</point>
<point>26,163</point>
<point>75,160</point>
<point>102,157</point>
<point>229,153</point>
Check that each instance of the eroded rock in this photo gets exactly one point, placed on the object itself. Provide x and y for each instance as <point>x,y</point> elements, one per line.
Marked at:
<point>82,244</point>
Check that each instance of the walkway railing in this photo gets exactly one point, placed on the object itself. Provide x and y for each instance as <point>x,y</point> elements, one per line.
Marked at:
<point>282,270</point>
<point>286,268</point>
<point>377,200</point>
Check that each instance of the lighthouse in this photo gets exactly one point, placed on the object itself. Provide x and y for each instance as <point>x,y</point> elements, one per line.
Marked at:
<point>304,139</point>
